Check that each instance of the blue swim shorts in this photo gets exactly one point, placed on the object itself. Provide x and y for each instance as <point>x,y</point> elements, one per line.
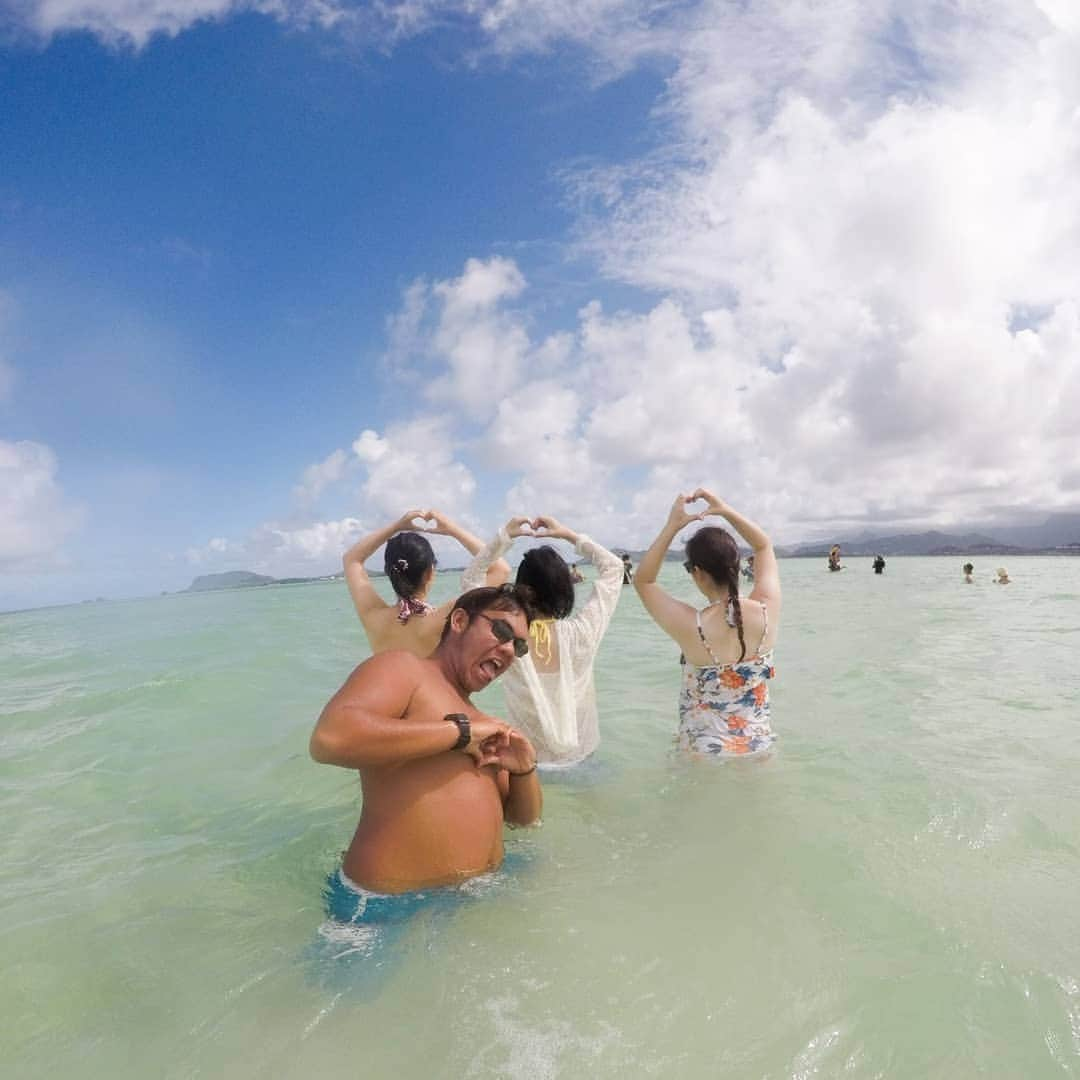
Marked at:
<point>347,902</point>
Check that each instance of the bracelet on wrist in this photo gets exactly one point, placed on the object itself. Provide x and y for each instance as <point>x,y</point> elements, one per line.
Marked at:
<point>526,772</point>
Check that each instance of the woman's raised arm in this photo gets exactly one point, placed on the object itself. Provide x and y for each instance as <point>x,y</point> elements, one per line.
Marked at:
<point>364,597</point>
<point>496,572</point>
<point>766,571</point>
<point>670,614</point>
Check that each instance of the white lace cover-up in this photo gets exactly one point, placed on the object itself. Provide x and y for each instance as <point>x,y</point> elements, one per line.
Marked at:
<point>557,710</point>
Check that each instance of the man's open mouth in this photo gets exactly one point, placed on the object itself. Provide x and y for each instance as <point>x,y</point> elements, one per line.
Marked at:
<point>492,667</point>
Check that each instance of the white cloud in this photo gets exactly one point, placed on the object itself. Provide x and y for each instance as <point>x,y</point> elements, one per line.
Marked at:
<point>860,225</point>
<point>863,220</point>
<point>35,517</point>
<point>481,345</point>
<point>133,23</point>
<point>369,448</point>
<point>317,478</point>
<point>411,465</point>
<point>414,465</point>
<point>507,26</point>
<point>280,550</point>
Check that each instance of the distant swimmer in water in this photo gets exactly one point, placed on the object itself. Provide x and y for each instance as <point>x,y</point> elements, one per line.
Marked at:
<point>727,645</point>
<point>748,569</point>
<point>1002,576</point>
<point>627,569</point>
<point>969,574</point>
<point>879,564</point>
<point>576,576</point>
<point>834,558</point>
<point>412,623</point>
<point>549,693</point>
<point>439,778</point>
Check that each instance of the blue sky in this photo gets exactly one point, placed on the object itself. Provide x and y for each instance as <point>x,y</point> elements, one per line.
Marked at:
<point>551,258</point>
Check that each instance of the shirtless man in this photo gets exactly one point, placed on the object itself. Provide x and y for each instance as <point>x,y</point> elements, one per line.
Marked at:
<point>439,777</point>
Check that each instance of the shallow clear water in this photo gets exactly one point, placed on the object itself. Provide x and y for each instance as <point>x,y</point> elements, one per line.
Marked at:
<point>894,893</point>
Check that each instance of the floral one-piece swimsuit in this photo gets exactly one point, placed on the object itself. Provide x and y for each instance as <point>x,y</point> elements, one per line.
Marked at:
<point>724,708</point>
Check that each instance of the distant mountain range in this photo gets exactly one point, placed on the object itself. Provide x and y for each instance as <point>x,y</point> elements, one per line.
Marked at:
<point>1059,534</point>
<point>245,579</point>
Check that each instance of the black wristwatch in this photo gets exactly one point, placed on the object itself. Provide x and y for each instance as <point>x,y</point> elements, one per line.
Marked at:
<point>464,729</point>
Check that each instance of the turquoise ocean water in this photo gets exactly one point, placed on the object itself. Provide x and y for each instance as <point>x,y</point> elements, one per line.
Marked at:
<point>896,893</point>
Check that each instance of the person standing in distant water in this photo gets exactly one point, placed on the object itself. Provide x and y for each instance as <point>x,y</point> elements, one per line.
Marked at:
<point>879,564</point>
<point>969,574</point>
<point>727,645</point>
<point>627,569</point>
<point>576,576</point>
<point>549,693</point>
<point>1002,576</point>
<point>748,569</point>
<point>834,558</point>
<point>412,623</point>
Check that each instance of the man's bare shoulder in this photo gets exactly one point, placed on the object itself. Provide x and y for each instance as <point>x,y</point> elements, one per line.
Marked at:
<point>385,682</point>
<point>394,663</point>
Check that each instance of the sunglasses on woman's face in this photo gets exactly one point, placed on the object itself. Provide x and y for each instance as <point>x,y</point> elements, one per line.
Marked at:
<point>504,632</point>
<point>688,566</point>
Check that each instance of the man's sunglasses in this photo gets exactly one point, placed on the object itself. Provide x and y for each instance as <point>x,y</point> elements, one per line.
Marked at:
<point>504,632</point>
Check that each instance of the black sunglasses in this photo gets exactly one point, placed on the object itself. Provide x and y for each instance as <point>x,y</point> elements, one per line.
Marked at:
<point>504,632</point>
<point>688,566</point>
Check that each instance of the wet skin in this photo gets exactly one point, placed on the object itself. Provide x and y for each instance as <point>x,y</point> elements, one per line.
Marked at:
<point>431,815</point>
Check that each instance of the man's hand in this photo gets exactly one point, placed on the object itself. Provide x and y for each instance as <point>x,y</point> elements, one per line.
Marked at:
<point>514,753</point>
<point>488,735</point>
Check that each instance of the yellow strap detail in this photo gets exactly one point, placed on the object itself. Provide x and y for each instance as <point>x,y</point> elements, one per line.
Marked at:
<point>540,632</point>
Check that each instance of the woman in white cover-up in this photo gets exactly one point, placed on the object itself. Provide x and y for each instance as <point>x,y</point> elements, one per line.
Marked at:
<point>549,693</point>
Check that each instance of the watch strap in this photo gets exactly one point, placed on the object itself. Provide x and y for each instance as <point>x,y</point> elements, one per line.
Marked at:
<point>464,729</point>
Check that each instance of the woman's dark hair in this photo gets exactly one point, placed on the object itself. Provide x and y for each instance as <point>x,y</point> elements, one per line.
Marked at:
<point>713,550</point>
<point>544,571</point>
<point>409,557</point>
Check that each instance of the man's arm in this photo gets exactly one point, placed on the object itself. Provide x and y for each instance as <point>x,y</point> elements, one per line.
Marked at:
<point>518,780</point>
<point>364,724</point>
<point>524,802</point>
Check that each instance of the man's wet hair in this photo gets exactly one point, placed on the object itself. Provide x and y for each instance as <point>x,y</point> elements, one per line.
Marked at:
<point>491,598</point>
<point>544,571</point>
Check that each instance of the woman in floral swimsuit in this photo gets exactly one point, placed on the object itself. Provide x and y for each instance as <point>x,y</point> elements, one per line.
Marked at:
<point>727,644</point>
